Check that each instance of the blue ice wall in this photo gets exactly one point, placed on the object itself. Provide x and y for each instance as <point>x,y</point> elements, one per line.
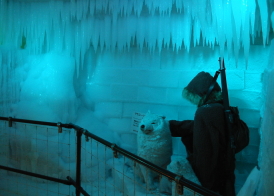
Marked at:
<point>96,68</point>
<point>266,159</point>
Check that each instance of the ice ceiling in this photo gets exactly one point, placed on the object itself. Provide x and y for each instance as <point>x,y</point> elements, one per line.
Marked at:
<point>74,26</point>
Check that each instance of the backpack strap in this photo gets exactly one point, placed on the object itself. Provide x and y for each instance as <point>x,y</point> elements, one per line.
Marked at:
<point>230,150</point>
<point>211,87</point>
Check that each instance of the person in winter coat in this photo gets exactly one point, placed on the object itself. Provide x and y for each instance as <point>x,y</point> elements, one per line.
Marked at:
<point>204,137</point>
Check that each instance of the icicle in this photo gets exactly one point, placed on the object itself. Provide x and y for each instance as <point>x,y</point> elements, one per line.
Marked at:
<point>187,6</point>
<point>2,112</point>
<point>210,36</point>
<point>179,5</point>
<point>173,31</point>
<point>68,38</point>
<point>165,7</point>
<point>257,25</point>
<point>179,27</point>
<point>151,4</point>
<point>236,27</point>
<point>160,31</point>
<point>128,6</point>
<point>1,58</point>
<point>107,37</point>
<point>113,34</point>
<point>114,14</point>
<point>264,19</point>
<point>85,5</point>
<point>224,21</point>
<point>252,12</point>
<point>196,32</point>
<point>84,40</point>
<point>137,6</point>
<point>131,30</point>
<point>187,31</point>
<point>272,19</point>
<point>249,21</point>
<point>246,37</point>
<point>73,11</point>
<point>121,41</point>
<point>99,6</point>
<point>3,18</point>
<point>165,26</point>
<point>202,18</point>
<point>151,31</point>
<point>214,9</point>
<point>122,7</point>
<point>95,36</point>
<point>140,33</point>
<point>245,28</point>
<point>218,13</point>
<point>228,27</point>
<point>195,8</point>
<point>102,35</point>
<point>79,10</point>
<point>77,50</point>
<point>236,10</point>
<point>91,7</point>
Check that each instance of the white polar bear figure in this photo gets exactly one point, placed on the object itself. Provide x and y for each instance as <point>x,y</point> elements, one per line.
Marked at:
<point>154,144</point>
<point>180,166</point>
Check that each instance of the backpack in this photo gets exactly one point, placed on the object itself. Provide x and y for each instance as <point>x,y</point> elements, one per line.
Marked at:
<point>240,130</point>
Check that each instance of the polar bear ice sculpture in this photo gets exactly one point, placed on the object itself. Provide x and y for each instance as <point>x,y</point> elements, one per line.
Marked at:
<point>154,145</point>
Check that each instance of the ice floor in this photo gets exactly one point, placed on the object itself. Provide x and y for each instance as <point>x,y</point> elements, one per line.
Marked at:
<point>12,185</point>
<point>115,184</point>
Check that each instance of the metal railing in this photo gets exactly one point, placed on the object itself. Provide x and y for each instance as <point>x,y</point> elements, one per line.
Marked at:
<point>181,182</point>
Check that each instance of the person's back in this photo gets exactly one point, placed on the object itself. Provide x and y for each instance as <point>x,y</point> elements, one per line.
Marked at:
<point>209,145</point>
<point>205,137</point>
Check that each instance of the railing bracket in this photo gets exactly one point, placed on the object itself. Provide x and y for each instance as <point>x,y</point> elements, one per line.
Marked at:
<point>59,127</point>
<point>84,132</point>
<point>10,121</point>
<point>115,153</point>
<point>179,187</point>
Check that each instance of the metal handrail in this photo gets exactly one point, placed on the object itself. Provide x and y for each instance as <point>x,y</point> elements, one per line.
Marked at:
<point>81,131</point>
<point>36,175</point>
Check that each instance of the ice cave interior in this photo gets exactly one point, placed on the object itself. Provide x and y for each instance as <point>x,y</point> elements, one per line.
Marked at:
<point>97,63</point>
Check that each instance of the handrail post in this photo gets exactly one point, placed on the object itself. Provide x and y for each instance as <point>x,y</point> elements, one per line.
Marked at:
<point>78,160</point>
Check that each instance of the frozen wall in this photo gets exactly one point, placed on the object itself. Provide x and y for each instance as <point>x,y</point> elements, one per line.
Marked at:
<point>112,86</point>
<point>122,84</point>
<point>266,158</point>
<point>94,66</point>
<point>42,26</point>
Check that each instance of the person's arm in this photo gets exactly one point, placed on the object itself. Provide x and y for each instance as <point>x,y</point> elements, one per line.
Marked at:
<point>181,128</point>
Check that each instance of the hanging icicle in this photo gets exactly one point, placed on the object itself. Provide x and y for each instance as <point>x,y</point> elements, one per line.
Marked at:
<point>264,19</point>
<point>113,24</point>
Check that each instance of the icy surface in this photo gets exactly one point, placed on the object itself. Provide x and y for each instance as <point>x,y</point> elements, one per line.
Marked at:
<point>69,49</point>
<point>272,19</point>
<point>266,157</point>
<point>68,25</point>
<point>251,183</point>
<point>264,19</point>
<point>47,84</point>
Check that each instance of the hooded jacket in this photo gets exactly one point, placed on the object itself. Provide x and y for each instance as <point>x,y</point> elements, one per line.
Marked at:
<point>205,137</point>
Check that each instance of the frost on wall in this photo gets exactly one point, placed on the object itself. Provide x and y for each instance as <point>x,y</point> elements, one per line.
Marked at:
<point>46,30</point>
<point>47,84</point>
<point>266,158</point>
<point>117,25</point>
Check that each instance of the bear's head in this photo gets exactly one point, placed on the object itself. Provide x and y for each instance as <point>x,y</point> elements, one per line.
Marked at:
<point>151,122</point>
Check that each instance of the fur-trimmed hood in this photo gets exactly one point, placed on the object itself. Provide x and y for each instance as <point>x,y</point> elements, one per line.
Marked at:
<point>197,89</point>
